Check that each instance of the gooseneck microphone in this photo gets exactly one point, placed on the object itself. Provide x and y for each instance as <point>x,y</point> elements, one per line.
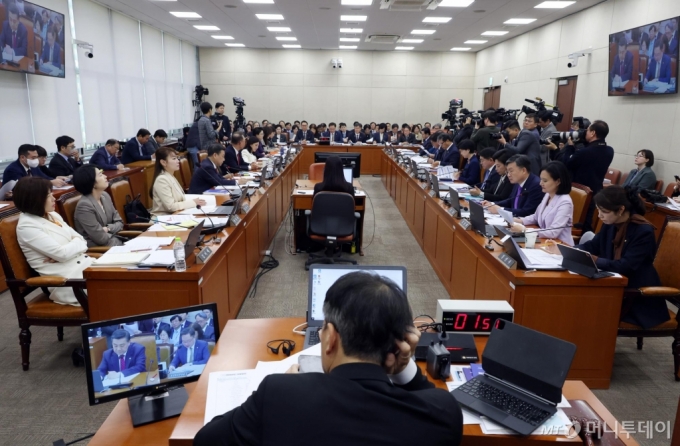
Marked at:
<point>547,229</point>
<point>198,206</point>
<point>159,222</point>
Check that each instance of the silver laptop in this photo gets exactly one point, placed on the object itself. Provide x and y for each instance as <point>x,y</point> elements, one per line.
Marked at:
<point>322,277</point>
<point>348,172</point>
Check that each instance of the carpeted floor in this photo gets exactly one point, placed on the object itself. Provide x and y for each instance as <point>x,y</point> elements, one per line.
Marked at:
<point>49,402</point>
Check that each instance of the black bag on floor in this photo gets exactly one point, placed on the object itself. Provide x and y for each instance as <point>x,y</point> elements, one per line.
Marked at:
<point>134,209</point>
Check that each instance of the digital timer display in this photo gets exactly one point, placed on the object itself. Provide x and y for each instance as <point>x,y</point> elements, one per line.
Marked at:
<point>473,321</point>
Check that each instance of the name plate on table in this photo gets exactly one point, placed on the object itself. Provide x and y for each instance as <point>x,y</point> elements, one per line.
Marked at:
<point>261,190</point>
<point>431,194</point>
<point>245,207</point>
<point>465,223</point>
<point>452,212</point>
<point>234,220</point>
<point>203,255</point>
<point>268,183</point>
<point>507,261</point>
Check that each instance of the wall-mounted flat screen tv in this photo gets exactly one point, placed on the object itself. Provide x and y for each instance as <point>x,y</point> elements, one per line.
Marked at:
<point>644,60</point>
<point>31,39</point>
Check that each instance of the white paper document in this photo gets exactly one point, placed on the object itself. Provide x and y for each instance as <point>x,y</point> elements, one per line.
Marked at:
<point>142,242</point>
<point>119,259</point>
<point>193,211</point>
<point>539,259</point>
<point>162,257</point>
<point>445,171</point>
<point>158,227</point>
<point>209,199</point>
<point>228,390</point>
<point>121,380</point>
<point>558,424</point>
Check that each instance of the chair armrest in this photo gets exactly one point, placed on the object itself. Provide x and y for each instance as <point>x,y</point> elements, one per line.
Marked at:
<point>98,249</point>
<point>138,226</point>
<point>659,291</point>
<point>41,281</point>
<point>130,234</point>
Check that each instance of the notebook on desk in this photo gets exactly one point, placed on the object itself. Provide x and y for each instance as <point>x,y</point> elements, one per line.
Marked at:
<point>322,277</point>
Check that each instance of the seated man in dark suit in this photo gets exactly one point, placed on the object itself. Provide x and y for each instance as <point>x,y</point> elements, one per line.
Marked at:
<point>448,154</point>
<point>208,330</point>
<point>371,391</point>
<point>622,69</point>
<point>27,164</point>
<point>526,194</point>
<point>134,148</point>
<point>51,53</point>
<point>660,66</point>
<point>105,157</point>
<point>380,137</point>
<point>357,135</point>
<point>490,176</point>
<point>159,325</point>
<point>334,136</point>
<point>67,159</point>
<point>304,134</point>
<point>191,350</point>
<point>208,174</point>
<point>124,358</point>
<point>394,134</point>
<point>344,132</point>
<point>427,149</point>
<point>14,35</point>
<point>232,155</point>
<point>406,136</point>
<point>154,143</point>
<point>280,136</point>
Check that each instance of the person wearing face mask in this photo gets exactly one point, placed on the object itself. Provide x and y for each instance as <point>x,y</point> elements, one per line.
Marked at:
<point>27,165</point>
<point>67,160</point>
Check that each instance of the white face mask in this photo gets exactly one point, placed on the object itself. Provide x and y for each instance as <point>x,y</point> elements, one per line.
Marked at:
<point>33,163</point>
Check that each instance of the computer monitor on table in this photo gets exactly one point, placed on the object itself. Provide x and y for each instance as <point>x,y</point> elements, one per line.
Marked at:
<point>349,159</point>
<point>149,355</point>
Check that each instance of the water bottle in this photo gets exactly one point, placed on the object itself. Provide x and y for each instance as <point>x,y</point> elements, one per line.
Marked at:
<point>180,261</point>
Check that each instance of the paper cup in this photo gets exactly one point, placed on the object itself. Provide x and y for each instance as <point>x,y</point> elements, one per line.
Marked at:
<point>531,240</point>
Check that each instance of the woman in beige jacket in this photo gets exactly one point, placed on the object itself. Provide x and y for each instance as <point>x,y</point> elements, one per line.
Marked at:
<point>166,192</point>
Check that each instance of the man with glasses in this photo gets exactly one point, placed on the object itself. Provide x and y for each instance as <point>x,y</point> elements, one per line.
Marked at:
<point>67,160</point>
<point>523,142</point>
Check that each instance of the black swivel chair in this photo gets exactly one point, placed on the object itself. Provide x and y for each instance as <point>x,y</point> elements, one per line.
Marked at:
<point>332,221</point>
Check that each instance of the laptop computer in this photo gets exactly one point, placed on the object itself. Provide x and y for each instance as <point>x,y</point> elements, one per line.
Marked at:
<point>581,262</point>
<point>322,277</point>
<point>524,371</point>
<point>510,244</point>
<point>478,221</point>
<point>507,216</point>
<point>229,209</point>
<point>349,175</point>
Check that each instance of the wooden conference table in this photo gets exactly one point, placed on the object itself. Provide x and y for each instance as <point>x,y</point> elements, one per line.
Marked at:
<point>564,305</point>
<point>241,346</point>
<point>371,155</point>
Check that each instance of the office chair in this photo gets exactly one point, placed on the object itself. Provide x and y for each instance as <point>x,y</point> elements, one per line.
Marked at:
<point>333,222</point>
<point>580,196</point>
<point>316,171</point>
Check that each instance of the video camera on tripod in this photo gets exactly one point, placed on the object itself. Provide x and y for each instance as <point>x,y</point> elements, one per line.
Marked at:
<point>450,114</point>
<point>556,115</point>
<point>240,121</point>
<point>200,91</point>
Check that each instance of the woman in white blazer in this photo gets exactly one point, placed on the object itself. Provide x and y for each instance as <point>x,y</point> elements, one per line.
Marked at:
<point>50,246</point>
<point>166,192</point>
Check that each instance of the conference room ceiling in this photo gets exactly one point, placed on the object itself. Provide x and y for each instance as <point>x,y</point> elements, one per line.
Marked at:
<point>316,23</point>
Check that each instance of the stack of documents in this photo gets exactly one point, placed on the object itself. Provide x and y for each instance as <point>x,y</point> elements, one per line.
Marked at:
<point>148,243</point>
<point>161,257</point>
<point>120,259</point>
<point>539,259</point>
<point>106,382</point>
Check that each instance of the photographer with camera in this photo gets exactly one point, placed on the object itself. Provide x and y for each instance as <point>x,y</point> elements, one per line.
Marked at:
<point>220,118</point>
<point>566,149</point>
<point>466,131</point>
<point>523,142</point>
<point>547,129</point>
<point>482,136</point>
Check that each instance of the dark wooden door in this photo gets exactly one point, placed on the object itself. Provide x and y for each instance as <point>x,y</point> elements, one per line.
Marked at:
<point>492,98</point>
<point>566,96</point>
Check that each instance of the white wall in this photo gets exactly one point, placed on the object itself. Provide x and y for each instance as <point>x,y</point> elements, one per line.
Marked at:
<point>114,84</point>
<point>371,86</point>
<point>533,61</point>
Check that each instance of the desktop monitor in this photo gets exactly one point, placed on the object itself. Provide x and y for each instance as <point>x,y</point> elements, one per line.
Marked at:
<point>148,358</point>
<point>40,46</point>
<point>349,159</point>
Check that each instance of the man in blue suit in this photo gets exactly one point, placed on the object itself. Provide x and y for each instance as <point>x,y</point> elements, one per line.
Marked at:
<point>526,194</point>
<point>208,330</point>
<point>208,174</point>
<point>27,165</point>
<point>380,137</point>
<point>672,40</point>
<point>427,149</point>
<point>623,62</point>
<point>124,358</point>
<point>660,66</point>
<point>335,136</point>
<point>304,134</point>
<point>134,148</point>
<point>357,135</point>
<point>14,35</point>
<point>448,154</point>
<point>67,159</point>
<point>232,155</point>
<point>192,351</point>
<point>51,51</point>
<point>105,157</point>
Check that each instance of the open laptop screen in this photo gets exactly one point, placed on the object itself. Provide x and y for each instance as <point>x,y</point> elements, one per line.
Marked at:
<point>322,277</point>
<point>348,174</point>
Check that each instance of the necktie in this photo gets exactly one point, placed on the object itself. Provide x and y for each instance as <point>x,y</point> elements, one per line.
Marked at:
<point>121,361</point>
<point>14,39</point>
<point>621,73</point>
<point>190,355</point>
<point>486,177</point>
<point>498,186</point>
<point>658,69</point>
<point>519,192</point>
<point>30,172</point>
<point>140,150</point>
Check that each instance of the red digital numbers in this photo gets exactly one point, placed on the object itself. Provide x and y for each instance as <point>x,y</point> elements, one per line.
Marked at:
<point>481,323</point>
<point>461,319</point>
<point>498,322</point>
<point>486,323</point>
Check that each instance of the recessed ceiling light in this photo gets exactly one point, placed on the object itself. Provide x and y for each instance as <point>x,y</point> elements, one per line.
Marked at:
<point>458,48</point>
<point>287,39</point>
<point>494,33</point>
<point>351,30</point>
<point>278,29</point>
<point>554,5</point>
<point>291,46</point>
<point>206,27</point>
<point>185,15</point>
<point>235,45</point>
<point>411,40</point>
<point>436,19</point>
<point>519,21</point>
<point>356,2</point>
<point>353,18</point>
<point>405,48</point>
<point>350,39</point>
<point>269,16</point>
<point>456,3</point>
<point>259,1</point>
<point>222,37</point>
<point>475,42</point>
<point>423,31</point>
<point>348,47</point>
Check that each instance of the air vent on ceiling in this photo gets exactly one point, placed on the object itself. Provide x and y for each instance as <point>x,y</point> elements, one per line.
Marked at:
<point>387,39</point>
<point>273,22</point>
<point>405,5</point>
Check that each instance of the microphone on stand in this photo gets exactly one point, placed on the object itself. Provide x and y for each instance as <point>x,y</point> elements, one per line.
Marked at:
<point>198,206</point>
<point>159,222</point>
<point>546,229</point>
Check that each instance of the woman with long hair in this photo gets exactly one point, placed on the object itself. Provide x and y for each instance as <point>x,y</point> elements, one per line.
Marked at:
<point>333,178</point>
<point>167,194</point>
